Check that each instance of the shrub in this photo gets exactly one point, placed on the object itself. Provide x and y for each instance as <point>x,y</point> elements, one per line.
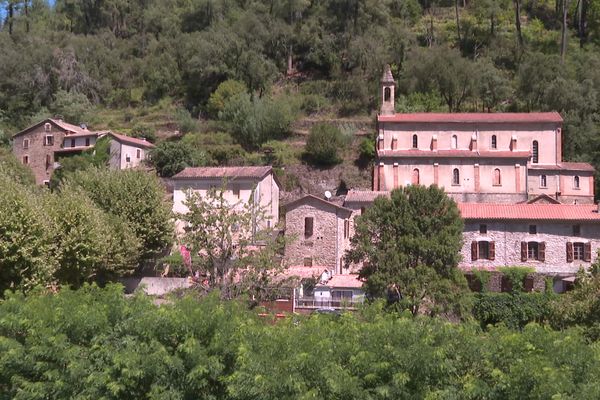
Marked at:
<point>324,144</point>
<point>366,150</point>
<point>144,131</point>
<point>185,122</point>
<point>279,154</point>
<point>516,276</point>
<point>226,90</point>
<point>170,158</point>
<point>515,310</point>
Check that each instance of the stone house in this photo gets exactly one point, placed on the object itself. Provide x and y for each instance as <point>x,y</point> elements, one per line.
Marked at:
<point>42,145</point>
<point>241,184</point>
<point>127,152</point>
<point>318,233</point>
<point>477,157</point>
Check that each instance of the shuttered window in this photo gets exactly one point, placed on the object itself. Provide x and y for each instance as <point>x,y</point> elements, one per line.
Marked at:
<point>569,252</point>
<point>579,251</point>
<point>308,227</point>
<point>483,250</point>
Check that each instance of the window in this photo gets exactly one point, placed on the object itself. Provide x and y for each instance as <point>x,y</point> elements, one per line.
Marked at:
<point>138,154</point>
<point>543,182</point>
<point>415,142</point>
<point>341,294</point>
<point>483,250</point>
<point>578,251</point>
<point>415,177</point>
<point>576,182</point>
<point>483,228</point>
<point>236,190</point>
<point>346,228</point>
<point>72,142</point>
<point>576,230</point>
<point>308,227</point>
<point>25,143</point>
<point>48,161</point>
<point>269,224</point>
<point>308,262</point>
<point>454,143</point>
<point>535,251</point>
<point>497,177</point>
<point>387,94</point>
<point>127,158</point>
<point>535,152</point>
<point>532,229</point>
<point>47,127</point>
<point>87,141</point>
<point>494,142</point>
<point>25,160</point>
<point>455,177</point>
<point>49,140</point>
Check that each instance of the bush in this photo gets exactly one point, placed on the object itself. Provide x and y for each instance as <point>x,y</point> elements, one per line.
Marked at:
<point>366,150</point>
<point>280,154</point>
<point>144,131</point>
<point>324,145</point>
<point>169,158</point>
<point>515,310</point>
<point>219,98</point>
<point>185,122</point>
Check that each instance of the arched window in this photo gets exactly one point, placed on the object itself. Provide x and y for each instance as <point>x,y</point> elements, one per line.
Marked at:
<point>415,142</point>
<point>387,94</point>
<point>576,182</point>
<point>494,142</point>
<point>543,182</point>
<point>454,143</point>
<point>497,177</point>
<point>535,152</point>
<point>415,177</point>
<point>455,177</point>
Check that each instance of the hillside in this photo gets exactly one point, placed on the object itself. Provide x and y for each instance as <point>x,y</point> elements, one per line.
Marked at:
<point>241,82</point>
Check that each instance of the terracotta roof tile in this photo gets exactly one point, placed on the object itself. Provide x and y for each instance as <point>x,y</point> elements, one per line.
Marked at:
<point>529,212</point>
<point>453,153</point>
<point>224,172</point>
<point>494,118</point>
<point>564,166</point>
<point>364,196</point>
<point>387,75</point>
<point>302,199</point>
<point>131,140</point>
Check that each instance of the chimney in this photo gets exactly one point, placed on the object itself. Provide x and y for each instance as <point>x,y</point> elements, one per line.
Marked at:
<point>513,143</point>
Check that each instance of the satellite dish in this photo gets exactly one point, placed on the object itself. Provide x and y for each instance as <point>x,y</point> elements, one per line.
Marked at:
<point>327,194</point>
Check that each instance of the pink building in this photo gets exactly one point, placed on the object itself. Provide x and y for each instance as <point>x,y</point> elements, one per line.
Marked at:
<point>477,157</point>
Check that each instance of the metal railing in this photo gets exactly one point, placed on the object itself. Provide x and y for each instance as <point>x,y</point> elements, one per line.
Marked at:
<point>314,303</point>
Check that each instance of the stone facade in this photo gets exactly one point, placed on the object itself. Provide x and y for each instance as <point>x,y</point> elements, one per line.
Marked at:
<point>41,145</point>
<point>318,233</point>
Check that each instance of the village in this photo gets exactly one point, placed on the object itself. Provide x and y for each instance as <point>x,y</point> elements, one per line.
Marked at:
<point>521,204</point>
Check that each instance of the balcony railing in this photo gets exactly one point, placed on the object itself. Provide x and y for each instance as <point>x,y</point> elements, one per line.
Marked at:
<point>338,304</point>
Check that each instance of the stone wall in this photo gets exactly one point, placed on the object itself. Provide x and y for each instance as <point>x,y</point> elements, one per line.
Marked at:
<point>37,151</point>
<point>504,198</point>
<point>508,236</point>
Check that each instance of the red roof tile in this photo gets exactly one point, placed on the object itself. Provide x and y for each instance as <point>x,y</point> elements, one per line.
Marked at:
<point>65,126</point>
<point>529,212</point>
<point>131,140</point>
<point>345,281</point>
<point>224,172</point>
<point>453,153</point>
<point>364,196</point>
<point>564,166</point>
<point>493,118</point>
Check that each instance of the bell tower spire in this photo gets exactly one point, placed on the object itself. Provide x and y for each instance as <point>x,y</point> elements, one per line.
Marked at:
<point>388,87</point>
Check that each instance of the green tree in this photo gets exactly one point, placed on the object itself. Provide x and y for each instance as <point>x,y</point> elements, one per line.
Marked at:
<point>169,158</point>
<point>226,90</point>
<point>408,245</point>
<point>72,106</point>
<point>137,198</point>
<point>324,145</point>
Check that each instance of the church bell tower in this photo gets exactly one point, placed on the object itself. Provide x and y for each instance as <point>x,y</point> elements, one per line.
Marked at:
<point>388,87</point>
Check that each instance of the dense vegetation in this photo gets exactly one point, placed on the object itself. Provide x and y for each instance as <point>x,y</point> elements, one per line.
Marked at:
<point>95,343</point>
<point>153,66</point>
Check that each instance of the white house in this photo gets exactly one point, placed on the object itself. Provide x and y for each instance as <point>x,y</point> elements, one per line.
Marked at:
<point>127,152</point>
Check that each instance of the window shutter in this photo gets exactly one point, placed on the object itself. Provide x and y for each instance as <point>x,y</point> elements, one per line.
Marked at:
<point>542,251</point>
<point>523,251</point>
<point>473,250</point>
<point>492,252</point>
<point>587,252</point>
<point>569,252</point>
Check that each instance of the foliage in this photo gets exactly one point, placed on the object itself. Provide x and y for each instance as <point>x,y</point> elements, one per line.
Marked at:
<point>254,121</point>
<point>367,151</point>
<point>144,131</point>
<point>280,154</point>
<point>515,310</point>
<point>409,245</point>
<point>169,158</point>
<point>324,144</point>
<point>137,198</point>
<point>239,254</point>
<point>72,106</point>
<point>10,166</point>
<point>226,90</point>
<point>516,276</point>
<point>94,343</point>
<point>185,121</point>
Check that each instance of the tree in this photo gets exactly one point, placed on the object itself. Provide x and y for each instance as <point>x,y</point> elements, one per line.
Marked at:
<point>136,197</point>
<point>408,245</point>
<point>226,90</point>
<point>237,254</point>
<point>169,158</point>
<point>324,144</point>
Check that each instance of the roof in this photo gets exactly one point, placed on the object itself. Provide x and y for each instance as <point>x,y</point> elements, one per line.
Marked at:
<point>303,272</point>
<point>224,172</point>
<point>364,196</point>
<point>73,149</point>
<point>529,212</point>
<point>474,118</point>
<point>454,153</point>
<point>302,199</point>
<point>387,75</point>
<point>136,142</point>
<point>345,281</point>
<point>542,198</point>
<point>59,123</point>
<point>564,166</point>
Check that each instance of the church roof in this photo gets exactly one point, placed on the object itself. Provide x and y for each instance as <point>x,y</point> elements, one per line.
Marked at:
<point>564,166</point>
<point>387,75</point>
<point>453,153</point>
<point>474,118</point>
<point>529,212</point>
<point>364,196</point>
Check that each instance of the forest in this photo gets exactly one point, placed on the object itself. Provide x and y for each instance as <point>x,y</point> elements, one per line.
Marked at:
<point>229,77</point>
